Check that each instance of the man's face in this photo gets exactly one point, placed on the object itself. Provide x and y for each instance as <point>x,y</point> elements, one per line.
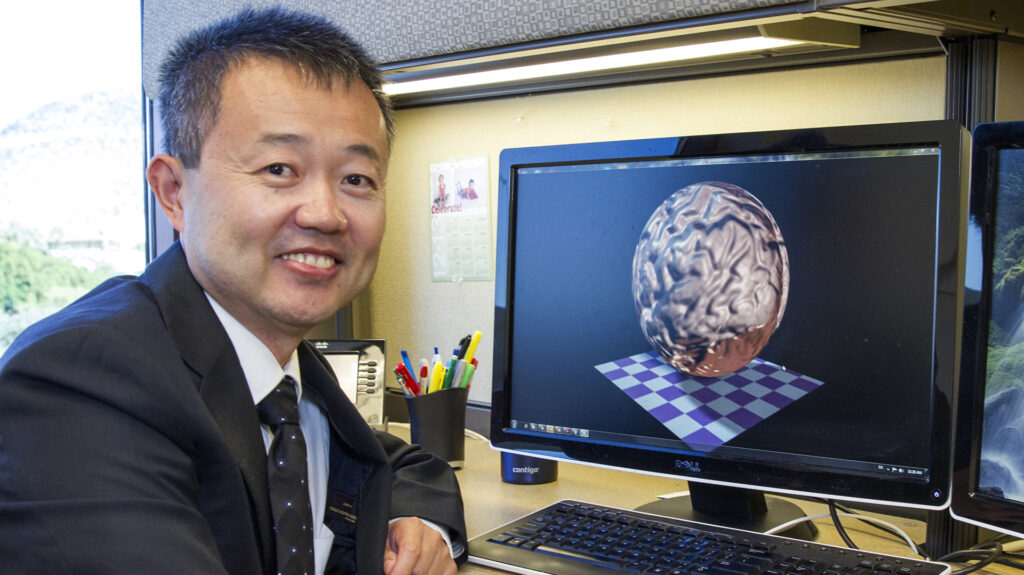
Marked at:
<point>283,218</point>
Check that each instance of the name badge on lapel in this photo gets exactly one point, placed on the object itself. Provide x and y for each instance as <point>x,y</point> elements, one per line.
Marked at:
<point>342,507</point>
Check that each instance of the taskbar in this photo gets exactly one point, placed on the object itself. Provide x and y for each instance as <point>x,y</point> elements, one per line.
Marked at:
<point>810,462</point>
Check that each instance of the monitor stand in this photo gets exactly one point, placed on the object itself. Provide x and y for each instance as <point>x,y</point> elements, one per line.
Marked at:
<point>734,507</point>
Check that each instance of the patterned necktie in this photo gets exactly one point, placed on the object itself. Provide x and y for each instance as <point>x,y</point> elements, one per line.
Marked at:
<point>286,472</point>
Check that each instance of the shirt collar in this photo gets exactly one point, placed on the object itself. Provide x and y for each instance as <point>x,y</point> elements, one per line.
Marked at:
<point>262,372</point>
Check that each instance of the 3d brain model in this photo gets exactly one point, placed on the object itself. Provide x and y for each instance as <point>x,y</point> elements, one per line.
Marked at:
<point>710,278</point>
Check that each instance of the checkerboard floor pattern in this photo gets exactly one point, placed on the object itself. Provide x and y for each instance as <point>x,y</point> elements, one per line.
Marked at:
<point>707,411</point>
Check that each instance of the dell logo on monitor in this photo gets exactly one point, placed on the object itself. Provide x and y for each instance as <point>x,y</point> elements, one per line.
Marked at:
<point>691,466</point>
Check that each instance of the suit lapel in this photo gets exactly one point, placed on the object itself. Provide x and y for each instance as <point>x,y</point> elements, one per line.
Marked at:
<point>232,408</point>
<point>205,347</point>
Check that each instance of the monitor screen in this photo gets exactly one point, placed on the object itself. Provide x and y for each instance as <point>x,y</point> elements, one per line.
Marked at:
<point>989,457</point>
<point>776,310</point>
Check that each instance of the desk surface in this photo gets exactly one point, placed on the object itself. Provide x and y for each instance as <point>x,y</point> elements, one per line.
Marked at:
<point>490,502</point>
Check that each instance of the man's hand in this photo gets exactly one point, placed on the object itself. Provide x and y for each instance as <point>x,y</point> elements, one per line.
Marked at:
<point>415,549</point>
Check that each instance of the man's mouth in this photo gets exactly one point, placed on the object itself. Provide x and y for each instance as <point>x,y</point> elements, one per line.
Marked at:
<point>315,260</point>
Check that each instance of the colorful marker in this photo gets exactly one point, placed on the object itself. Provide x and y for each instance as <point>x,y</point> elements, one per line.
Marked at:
<point>407,362</point>
<point>464,345</point>
<point>467,378</point>
<point>436,377</point>
<point>450,372</point>
<point>473,342</point>
<point>424,373</point>
<point>460,370</point>
<point>402,384</point>
<point>410,381</point>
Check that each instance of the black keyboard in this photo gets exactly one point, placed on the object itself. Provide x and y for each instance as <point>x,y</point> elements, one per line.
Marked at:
<point>574,538</point>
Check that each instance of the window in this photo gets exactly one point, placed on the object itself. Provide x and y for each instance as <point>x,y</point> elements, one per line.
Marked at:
<point>71,151</point>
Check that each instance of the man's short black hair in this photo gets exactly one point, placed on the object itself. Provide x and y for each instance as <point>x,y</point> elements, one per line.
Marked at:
<point>191,75</point>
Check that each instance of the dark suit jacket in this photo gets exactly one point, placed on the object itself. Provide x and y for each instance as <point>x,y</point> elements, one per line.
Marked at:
<point>129,443</point>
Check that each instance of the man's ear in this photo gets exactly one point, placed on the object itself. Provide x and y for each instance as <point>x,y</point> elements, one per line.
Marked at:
<point>166,177</point>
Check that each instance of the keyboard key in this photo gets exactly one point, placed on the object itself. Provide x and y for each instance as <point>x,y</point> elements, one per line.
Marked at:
<point>576,556</point>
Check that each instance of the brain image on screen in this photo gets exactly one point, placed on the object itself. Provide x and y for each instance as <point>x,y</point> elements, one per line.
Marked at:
<point>710,278</point>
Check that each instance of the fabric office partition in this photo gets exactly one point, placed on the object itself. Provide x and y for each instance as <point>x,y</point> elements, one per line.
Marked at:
<point>402,30</point>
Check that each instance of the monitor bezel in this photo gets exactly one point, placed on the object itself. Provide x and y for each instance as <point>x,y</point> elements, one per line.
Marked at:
<point>948,136</point>
<point>967,503</point>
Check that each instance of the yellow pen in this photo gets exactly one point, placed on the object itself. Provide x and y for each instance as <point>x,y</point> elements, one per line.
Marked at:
<point>436,377</point>
<point>471,350</point>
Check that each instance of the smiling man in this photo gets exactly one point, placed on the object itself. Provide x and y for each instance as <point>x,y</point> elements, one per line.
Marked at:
<point>135,434</point>
<point>282,218</point>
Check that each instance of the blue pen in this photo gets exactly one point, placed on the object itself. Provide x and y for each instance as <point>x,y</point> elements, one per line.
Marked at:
<point>408,362</point>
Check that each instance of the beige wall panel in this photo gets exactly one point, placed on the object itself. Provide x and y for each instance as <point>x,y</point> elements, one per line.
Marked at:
<point>1010,82</point>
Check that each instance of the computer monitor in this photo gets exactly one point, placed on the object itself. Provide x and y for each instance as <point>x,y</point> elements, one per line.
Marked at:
<point>988,483</point>
<point>616,258</point>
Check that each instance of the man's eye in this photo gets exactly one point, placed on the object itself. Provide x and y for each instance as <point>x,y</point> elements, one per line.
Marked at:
<point>357,180</point>
<point>279,170</point>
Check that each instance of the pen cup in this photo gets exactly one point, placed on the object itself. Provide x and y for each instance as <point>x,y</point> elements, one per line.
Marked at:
<point>437,423</point>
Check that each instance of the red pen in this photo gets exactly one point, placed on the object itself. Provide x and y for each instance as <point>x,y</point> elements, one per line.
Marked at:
<point>410,381</point>
<point>401,382</point>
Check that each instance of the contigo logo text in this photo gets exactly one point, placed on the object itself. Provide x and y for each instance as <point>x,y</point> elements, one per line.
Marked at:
<point>525,469</point>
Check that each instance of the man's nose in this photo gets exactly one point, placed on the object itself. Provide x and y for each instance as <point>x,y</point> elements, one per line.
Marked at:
<point>322,207</point>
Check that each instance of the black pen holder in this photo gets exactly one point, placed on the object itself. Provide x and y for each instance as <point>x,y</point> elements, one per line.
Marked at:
<point>437,423</point>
